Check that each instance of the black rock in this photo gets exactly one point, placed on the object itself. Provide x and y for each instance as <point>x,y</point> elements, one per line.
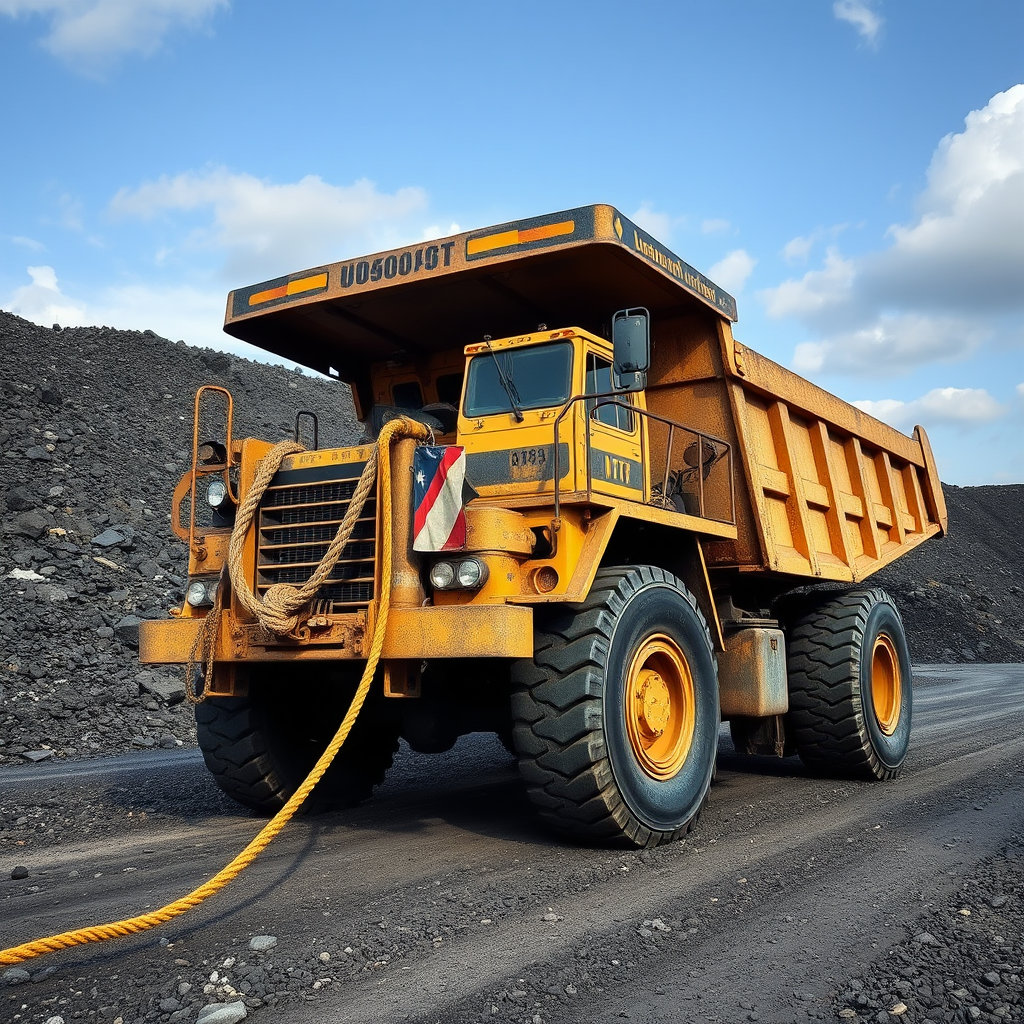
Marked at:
<point>127,630</point>
<point>109,538</point>
<point>20,499</point>
<point>31,524</point>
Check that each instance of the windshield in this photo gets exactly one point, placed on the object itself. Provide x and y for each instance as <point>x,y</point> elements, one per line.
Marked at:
<point>540,374</point>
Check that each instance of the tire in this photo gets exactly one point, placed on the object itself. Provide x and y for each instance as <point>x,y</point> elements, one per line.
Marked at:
<point>595,769</point>
<point>260,747</point>
<point>850,686</point>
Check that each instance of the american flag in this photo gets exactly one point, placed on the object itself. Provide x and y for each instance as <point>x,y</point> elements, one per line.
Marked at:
<point>439,516</point>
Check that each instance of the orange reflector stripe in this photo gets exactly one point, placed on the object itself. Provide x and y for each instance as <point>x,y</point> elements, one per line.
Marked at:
<point>506,238</point>
<point>304,284</point>
<point>489,242</point>
<point>567,227</point>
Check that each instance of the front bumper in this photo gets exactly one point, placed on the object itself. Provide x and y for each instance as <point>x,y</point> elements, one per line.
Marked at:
<point>448,631</point>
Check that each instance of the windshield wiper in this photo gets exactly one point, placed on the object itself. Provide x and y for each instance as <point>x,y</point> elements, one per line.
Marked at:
<point>506,383</point>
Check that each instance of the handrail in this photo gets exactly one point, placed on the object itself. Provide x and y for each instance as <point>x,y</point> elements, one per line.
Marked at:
<point>616,400</point>
<point>229,408</point>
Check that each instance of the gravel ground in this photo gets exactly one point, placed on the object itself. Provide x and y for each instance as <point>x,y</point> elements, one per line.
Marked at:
<point>961,961</point>
<point>964,960</point>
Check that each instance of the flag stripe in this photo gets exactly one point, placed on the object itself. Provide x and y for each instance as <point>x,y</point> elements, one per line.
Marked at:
<point>451,454</point>
<point>439,515</point>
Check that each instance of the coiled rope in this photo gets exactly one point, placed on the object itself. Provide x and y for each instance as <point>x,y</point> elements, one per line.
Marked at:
<point>277,609</point>
<point>402,427</point>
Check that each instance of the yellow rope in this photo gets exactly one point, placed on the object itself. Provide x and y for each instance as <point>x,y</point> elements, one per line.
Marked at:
<point>98,933</point>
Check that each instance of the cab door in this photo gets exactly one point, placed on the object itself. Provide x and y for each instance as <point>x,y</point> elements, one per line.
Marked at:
<point>614,432</point>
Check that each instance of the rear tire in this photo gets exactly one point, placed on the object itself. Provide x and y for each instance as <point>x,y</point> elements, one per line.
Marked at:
<point>259,748</point>
<point>850,686</point>
<point>617,716</point>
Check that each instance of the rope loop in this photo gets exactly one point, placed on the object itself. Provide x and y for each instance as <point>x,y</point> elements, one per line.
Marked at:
<point>205,648</point>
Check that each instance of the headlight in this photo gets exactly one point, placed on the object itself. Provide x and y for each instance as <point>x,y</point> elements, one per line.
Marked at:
<point>216,492</point>
<point>442,575</point>
<point>466,574</point>
<point>201,593</point>
<point>471,573</point>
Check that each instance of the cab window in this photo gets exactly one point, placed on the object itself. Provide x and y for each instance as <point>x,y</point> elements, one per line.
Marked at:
<point>599,381</point>
<point>535,378</point>
<point>407,395</point>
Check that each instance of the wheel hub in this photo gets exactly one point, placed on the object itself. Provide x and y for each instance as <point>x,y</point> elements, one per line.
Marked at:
<point>886,684</point>
<point>660,707</point>
<point>655,709</point>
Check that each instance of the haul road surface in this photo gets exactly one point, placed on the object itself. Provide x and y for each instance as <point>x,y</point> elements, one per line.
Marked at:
<point>444,900</point>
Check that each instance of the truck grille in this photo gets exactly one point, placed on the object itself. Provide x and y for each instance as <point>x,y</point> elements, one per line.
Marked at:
<point>298,517</point>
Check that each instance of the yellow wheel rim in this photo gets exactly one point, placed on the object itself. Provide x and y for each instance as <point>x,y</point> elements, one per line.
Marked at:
<point>886,684</point>
<point>660,707</point>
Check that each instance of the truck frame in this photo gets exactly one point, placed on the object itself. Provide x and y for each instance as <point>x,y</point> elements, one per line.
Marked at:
<point>646,528</point>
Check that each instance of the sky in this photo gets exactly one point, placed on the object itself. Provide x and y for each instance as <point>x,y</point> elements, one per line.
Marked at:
<point>852,171</point>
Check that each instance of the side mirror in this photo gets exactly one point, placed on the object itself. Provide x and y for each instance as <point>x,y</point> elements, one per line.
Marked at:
<point>631,344</point>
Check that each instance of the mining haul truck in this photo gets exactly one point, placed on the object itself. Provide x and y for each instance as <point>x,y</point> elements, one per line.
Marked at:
<point>612,527</point>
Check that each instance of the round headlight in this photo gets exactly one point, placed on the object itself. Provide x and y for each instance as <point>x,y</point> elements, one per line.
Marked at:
<point>216,492</point>
<point>197,594</point>
<point>471,573</point>
<point>442,575</point>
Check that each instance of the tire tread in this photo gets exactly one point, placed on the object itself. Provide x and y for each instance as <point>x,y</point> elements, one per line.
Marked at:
<point>826,716</point>
<point>557,704</point>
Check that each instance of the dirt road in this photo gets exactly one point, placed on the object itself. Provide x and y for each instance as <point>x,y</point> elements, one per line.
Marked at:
<point>443,900</point>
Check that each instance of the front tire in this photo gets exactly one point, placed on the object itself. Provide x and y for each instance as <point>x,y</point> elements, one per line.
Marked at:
<point>617,716</point>
<point>260,747</point>
<point>850,686</point>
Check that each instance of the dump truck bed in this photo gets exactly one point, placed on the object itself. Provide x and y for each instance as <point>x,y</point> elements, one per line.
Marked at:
<point>833,492</point>
<point>822,489</point>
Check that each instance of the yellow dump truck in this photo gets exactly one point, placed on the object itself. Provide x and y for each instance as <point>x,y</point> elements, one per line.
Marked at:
<point>611,527</point>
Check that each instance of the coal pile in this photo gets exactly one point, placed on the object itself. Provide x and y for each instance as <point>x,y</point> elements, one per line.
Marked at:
<point>96,430</point>
<point>962,596</point>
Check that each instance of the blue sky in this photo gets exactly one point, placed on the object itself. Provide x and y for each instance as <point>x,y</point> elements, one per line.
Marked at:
<point>852,171</point>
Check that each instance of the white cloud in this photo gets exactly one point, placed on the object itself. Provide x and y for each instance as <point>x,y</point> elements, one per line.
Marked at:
<point>28,243</point>
<point>732,271</point>
<point>714,226</point>
<point>891,345</point>
<point>964,407</point>
<point>961,259</point>
<point>796,250</point>
<point>860,15</point>
<point>436,231</point>
<point>176,311</point>
<point>70,212</point>
<point>658,224</point>
<point>967,246</point>
<point>266,228</point>
<point>42,301</point>
<point>815,291</point>
<point>89,33</point>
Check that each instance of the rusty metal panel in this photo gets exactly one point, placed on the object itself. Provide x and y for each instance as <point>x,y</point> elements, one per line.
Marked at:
<point>752,673</point>
<point>460,631</point>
